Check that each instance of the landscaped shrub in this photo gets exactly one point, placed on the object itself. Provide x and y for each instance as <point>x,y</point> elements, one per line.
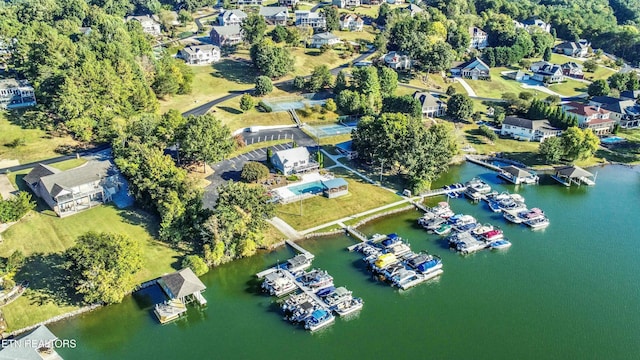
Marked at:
<point>254,171</point>
<point>264,107</point>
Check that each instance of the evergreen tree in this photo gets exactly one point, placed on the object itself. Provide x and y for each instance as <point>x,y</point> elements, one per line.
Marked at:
<point>547,54</point>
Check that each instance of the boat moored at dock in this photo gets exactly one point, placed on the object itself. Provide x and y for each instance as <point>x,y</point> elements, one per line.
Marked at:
<point>478,185</point>
<point>499,244</point>
<point>319,319</point>
<point>278,284</point>
<point>538,223</point>
<point>512,216</point>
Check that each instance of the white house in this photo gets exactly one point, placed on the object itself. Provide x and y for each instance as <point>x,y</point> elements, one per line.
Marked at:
<point>549,74</point>
<point>294,160</point>
<point>397,61</point>
<point>289,3</point>
<point>69,192</point>
<point>16,93</point>
<point>479,39</point>
<point>306,18</point>
<point>149,25</point>
<point>326,38</point>
<point>576,49</point>
<point>250,2</point>
<point>346,3</point>
<point>351,22</point>
<point>533,23</point>
<point>200,54</point>
<point>275,15</point>
<point>474,69</point>
<point>412,9</point>
<point>431,105</point>
<point>591,117</point>
<point>231,17</point>
<point>530,130</point>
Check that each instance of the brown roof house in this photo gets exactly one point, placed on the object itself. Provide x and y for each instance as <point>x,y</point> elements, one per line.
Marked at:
<point>69,192</point>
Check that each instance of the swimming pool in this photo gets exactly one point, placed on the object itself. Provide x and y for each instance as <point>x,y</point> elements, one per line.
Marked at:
<point>611,140</point>
<point>313,187</point>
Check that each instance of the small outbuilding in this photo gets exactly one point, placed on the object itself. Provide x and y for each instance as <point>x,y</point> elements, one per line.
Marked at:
<point>517,175</point>
<point>574,174</point>
<point>183,285</point>
<point>335,187</point>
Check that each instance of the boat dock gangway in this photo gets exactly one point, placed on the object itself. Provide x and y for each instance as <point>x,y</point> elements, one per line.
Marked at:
<point>482,163</point>
<point>308,292</point>
<point>295,246</point>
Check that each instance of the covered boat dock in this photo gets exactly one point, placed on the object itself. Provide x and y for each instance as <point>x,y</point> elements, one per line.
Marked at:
<point>574,174</point>
<point>183,285</point>
<point>517,175</point>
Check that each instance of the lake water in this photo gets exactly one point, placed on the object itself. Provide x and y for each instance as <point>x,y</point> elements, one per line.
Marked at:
<point>570,291</point>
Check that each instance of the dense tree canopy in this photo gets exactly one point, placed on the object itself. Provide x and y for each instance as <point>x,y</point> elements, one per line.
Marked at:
<point>103,266</point>
<point>271,60</point>
<point>203,138</point>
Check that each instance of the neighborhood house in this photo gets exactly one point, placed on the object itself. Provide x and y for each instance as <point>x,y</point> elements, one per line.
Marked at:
<point>412,10</point>
<point>293,161</point>
<point>306,18</point>
<point>275,15</point>
<point>231,17</point>
<point>478,38</point>
<point>322,39</point>
<point>431,105</point>
<point>69,192</point>
<point>624,112</point>
<point>533,24</point>
<point>149,25</point>
<point>16,93</point>
<point>530,130</point>
<point>591,117</point>
<point>397,61</point>
<point>474,69</point>
<point>226,35</point>
<point>547,73</point>
<point>351,22</point>
<point>572,69</point>
<point>200,54</point>
<point>346,3</point>
<point>576,49</point>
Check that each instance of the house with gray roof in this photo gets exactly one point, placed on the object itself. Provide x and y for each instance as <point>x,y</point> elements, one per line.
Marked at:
<point>431,105</point>
<point>288,3</point>
<point>346,3</point>
<point>474,69</point>
<point>351,22</point>
<point>571,48</point>
<point>479,38</point>
<point>572,69</point>
<point>275,15</point>
<point>182,285</point>
<point>397,61</point>
<point>412,10</point>
<point>533,24</point>
<point>250,2</point>
<point>625,112</point>
<point>200,54</point>
<point>69,192</point>
<point>294,160</point>
<point>530,130</point>
<point>39,344</point>
<point>231,17</point>
<point>16,94</point>
<point>322,39</point>
<point>226,35</point>
<point>549,74</point>
<point>306,18</point>
<point>148,23</point>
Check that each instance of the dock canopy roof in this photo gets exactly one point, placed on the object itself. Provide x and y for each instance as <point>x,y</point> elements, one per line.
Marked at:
<point>516,171</point>
<point>182,283</point>
<point>573,172</point>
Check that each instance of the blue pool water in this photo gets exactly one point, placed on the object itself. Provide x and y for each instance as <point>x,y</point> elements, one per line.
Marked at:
<point>611,140</point>
<point>308,188</point>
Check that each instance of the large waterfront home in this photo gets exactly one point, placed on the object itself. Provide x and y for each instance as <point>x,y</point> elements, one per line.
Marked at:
<point>591,117</point>
<point>39,344</point>
<point>530,130</point>
<point>624,112</point>
<point>200,54</point>
<point>571,48</point>
<point>397,61</point>
<point>351,22</point>
<point>431,105</point>
<point>324,39</point>
<point>346,3</point>
<point>548,74</point>
<point>306,18</point>
<point>69,192</point>
<point>16,93</point>
<point>294,160</point>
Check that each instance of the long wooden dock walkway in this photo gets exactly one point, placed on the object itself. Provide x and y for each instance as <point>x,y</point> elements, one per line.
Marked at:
<point>308,291</point>
<point>300,249</point>
<point>482,163</point>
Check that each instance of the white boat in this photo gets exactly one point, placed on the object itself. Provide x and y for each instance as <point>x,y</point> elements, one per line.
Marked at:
<point>442,210</point>
<point>482,229</point>
<point>538,223</point>
<point>532,214</point>
<point>500,244</point>
<point>512,217</point>
<point>278,283</point>
<point>349,307</point>
<point>337,296</point>
<point>478,185</point>
<point>419,279</point>
<point>319,319</point>
<point>316,279</point>
<point>469,246</point>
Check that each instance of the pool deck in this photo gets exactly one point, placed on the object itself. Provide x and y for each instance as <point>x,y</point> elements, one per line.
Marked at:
<point>285,193</point>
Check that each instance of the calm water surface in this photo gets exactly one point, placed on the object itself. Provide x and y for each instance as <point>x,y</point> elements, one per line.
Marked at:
<point>570,291</point>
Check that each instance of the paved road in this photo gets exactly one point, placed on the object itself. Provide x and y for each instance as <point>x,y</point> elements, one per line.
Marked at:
<point>204,108</point>
<point>89,152</point>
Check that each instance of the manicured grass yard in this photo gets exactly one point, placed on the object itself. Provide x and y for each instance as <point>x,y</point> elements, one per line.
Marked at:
<point>367,34</point>
<point>42,237</point>
<point>569,88</point>
<point>498,84</point>
<point>318,210</point>
<point>37,144</point>
<point>230,114</point>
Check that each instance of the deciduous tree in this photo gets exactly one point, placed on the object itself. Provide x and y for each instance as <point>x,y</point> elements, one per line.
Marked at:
<point>459,107</point>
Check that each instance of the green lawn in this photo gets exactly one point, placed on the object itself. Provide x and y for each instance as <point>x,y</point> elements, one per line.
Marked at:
<point>211,82</point>
<point>498,84</point>
<point>42,237</point>
<point>33,144</point>
<point>367,34</point>
<point>600,73</point>
<point>358,219</point>
<point>569,88</point>
<point>230,114</point>
<point>318,210</point>
<point>426,81</point>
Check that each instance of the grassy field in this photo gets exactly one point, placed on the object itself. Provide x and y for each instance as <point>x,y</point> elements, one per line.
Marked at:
<point>34,144</point>
<point>569,88</point>
<point>600,73</point>
<point>426,81</point>
<point>42,237</point>
<point>498,84</point>
<point>318,210</point>
<point>358,219</point>
<point>367,34</point>
<point>213,81</point>
<point>332,140</point>
<point>230,114</point>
